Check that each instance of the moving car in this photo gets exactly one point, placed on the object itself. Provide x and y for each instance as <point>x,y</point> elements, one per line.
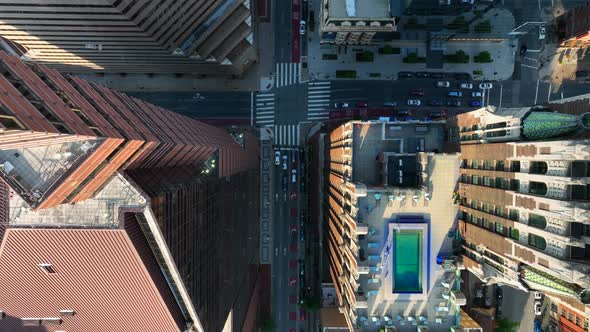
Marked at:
<point>462,76</point>
<point>294,157</point>
<point>414,102</point>
<point>285,182</point>
<point>475,103</point>
<point>476,94</point>
<point>542,31</point>
<point>405,74</point>
<point>435,102</point>
<point>423,74</point>
<point>437,115</point>
<point>294,176</point>
<point>404,113</point>
<point>285,166</point>
<point>341,105</point>
<point>437,75</point>
<point>485,86</point>
<point>466,86</point>
<point>443,84</point>
<point>302,26</point>
<point>417,92</point>
<point>455,103</point>
<point>582,73</point>
<point>277,158</point>
<point>390,104</point>
<point>362,104</point>
<point>455,94</point>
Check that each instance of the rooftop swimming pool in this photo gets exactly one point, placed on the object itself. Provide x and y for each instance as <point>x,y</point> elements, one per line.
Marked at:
<point>407,261</point>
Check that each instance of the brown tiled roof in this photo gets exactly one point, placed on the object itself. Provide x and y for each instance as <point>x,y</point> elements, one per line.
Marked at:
<point>98,273</point>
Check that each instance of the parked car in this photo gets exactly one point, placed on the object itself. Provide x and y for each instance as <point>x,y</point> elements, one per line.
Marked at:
<point>537,307</point>
<point>405,74</point>
<point>302,26</point>
<point>455,103</point>
<point>294,157</point>
<point>542,31</point>
<point>341,105</point>
<point>422,74</point>
<point>362,104</point>
<point>417,92</point>
<point>438,115</point>
<point>390,104</point>
<point>538,296</point>
<point>455,94</point>
<point>462,76</point>
<point>485,86</point>
<point>435,102</point>
<point>413,102</point>
<point>475,103</point>
<point>285,166</point>
<point>277,158</point>
<point>285,183</point>
<point>294,176</point>
<point>443,84</point>
<point>437,75</point>
<point>582,73</point>
<point>404,113</point>
<point>466,86</point>
<point>476,94</point>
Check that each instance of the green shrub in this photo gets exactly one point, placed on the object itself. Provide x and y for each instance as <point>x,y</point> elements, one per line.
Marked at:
<point>483,27</point>
<point>365,56</point>
<point>483,57</point>
<point>458,23</point>
<point>387,49</point>
<point>374,74</point>
<point>346,74</point>
<point>458,57</point>
<point>329,56</point>
<point>477,72</point>
<point>413,58</point>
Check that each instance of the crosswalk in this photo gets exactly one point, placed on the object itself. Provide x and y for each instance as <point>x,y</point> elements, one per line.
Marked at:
<point>287,74</point>
<point>286,135</point>
<point>265,109</point>
<point>318,100</point>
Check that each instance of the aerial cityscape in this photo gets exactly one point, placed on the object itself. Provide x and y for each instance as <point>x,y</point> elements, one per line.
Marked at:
<point>295,165</point>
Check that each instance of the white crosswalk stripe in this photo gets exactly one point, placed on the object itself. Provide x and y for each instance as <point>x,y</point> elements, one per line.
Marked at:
<point>265,109</point>
<point>286,135</point>
<point>318,100</point>
<point>287,74</point>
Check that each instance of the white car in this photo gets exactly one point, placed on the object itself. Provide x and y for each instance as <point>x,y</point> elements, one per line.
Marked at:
<point>285,166</point>
<point>538,310</point>
<point>476,94</point>
<point>542,31</point>
<point>485,86</point>
<point>302,26</point>
<point>538,295</point>
<point>341,105</point>
<point>443,84</point>
<point>277,158</point>
<point>294,176</point>
<point>466,86</point>
<point>413,102</point>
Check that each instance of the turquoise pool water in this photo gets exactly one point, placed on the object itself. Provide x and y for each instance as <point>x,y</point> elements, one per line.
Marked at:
<point>407,261</point>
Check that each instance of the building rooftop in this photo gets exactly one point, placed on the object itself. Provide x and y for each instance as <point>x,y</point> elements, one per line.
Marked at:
<point>374,9</point>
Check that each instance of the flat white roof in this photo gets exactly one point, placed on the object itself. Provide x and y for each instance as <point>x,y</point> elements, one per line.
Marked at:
<point>375,9</point>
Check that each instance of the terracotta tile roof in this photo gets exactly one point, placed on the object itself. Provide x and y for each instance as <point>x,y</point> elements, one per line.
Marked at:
<point>99,275</point>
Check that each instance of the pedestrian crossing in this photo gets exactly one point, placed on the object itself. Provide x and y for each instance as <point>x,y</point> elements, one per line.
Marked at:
<point>287,74</point>
<point>287,135</point>
<point>265,109</point>
<point>318,100</point>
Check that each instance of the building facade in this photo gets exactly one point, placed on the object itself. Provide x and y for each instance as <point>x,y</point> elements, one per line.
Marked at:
<point>110,193</point>
<point>573,28</point>
<point>524,199</point>
<point>134,36</point>
<point>356,22</point>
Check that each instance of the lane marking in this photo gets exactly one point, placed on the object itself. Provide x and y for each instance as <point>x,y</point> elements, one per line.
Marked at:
<point>529,66</point>
<point>501,91</point>
<point>252,109</point>
<point>549,92</point>
<point>536,92</point>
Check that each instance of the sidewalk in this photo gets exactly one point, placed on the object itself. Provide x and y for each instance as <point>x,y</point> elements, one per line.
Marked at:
<point>386,66</point>
<point>561,64</point>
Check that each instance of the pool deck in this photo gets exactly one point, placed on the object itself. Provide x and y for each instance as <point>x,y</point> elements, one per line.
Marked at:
<point>440,214</point>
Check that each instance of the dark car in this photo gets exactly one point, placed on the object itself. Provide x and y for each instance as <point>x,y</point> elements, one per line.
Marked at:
<point>475,103</point>
<point>404,113</point>
<point>390,104</point>
<point>582,73</point>
<point>455,103</point>
<point>422,74</point>
<point>462,76</point>
<point>362,104</point>
<point>405,74</point>
<point>499,295</point>
<point>302,234</point>
<point>435,102</point>
<point>417,92</point>
<point>437,115</point>
<point>437,75</point>
<point>285,182</point>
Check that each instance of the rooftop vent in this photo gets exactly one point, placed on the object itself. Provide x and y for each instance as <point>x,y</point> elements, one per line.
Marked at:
<point>67,312</point>
<point>48,268</point>
<point>2,315</point>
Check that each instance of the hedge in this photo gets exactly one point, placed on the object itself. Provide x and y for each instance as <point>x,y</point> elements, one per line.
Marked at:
<point>414,58</point>
<point>346,74</point>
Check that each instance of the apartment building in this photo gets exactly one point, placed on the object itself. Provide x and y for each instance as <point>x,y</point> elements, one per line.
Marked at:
<point>133,36</point>
<point>104,197</point>
<point>387,212</point>
<point>353,22</point>
<point>524,198</point>
<point>573,28</point>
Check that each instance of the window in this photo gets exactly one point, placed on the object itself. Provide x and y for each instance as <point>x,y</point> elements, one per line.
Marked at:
<point>486,207</point>
<point>562,312</point>
<point>500,183</point>
<point>514,184</point>
<point>537,242</point>
<point>513,215</point>
<point>499,165</point>
<point>475,179</point>
<point>578,322</point>
<point>570,316</point>
<point>515,166</point>
<point>486,224</point>
<point>496,133</point>
<point>487,164</point>
<point>48,268</point>
<point>514,233</point>
<point>537,221</point>
<point>10,122</point>
<point>474,163</point>
<point>499,211</point>
<point>487,181</point>
<point>499,228</point>
<point>537,188</point>
<point>538,167</point>
<point>554,307</point>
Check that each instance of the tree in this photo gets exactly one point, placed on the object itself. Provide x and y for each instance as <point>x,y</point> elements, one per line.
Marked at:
<point>267,325</point>
<point>311,303</point>
<point>504,325</point>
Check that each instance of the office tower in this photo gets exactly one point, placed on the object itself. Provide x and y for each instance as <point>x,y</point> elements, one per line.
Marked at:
<point>133,36</point>
<point>387,215</point>
<point>115,213</point>
<point>524,198</point>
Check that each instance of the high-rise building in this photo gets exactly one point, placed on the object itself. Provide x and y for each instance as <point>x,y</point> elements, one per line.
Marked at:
<point>133,36</point>
<point>387,216</point>
<point>117,214</point>
<point>524,198</point>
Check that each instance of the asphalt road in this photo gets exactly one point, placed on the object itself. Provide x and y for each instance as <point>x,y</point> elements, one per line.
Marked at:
<point>282,31</point>
<point>287,245</point>
<point>227,105</point>
<point>518,306</point>
<point>534,10</point>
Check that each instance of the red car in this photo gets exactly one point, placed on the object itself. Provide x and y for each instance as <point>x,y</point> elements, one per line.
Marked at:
<point>292,281</point>
<point>293,195</point>
<point>417,92</point>
<point>362,104</point>
<point>292,264</point>
<point>292,315</point>
<point>292,330</point>
<point>293,299</point>
<point>292,228</point>
<point>302,314</point>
